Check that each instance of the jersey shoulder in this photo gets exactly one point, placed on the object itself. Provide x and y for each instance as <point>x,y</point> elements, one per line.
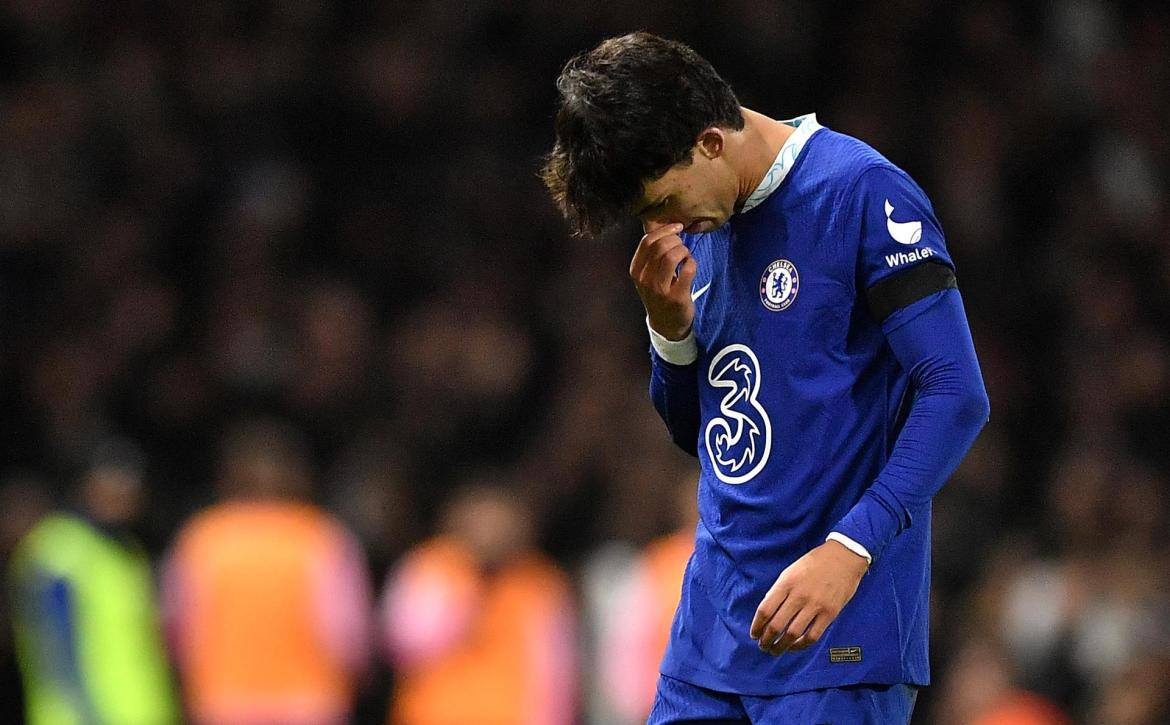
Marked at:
<point>839,160</point>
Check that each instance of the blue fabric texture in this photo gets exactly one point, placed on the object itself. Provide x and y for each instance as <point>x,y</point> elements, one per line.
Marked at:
<point>674,390</point>
<point>680,703</point>
<point>808,416</point>
<point>932,341</point>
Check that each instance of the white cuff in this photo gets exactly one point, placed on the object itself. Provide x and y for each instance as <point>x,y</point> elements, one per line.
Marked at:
<point>850,544</point>
<point>676,352</point>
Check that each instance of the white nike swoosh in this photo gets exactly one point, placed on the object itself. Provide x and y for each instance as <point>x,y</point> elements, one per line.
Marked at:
<point>699,292</point>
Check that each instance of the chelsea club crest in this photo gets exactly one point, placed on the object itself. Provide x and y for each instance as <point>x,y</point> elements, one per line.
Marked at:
<point>779,285</point>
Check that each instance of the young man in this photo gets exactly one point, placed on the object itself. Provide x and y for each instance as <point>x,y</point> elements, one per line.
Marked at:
<point>810,346</point>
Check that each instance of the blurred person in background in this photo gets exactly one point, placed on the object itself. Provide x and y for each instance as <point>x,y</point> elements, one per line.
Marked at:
<point>979,689</point>
<point>1082,611</point>
<point>478,623</point>
<point>84,613</point>
<point>266,597</point>
<point>24,500</point>
<point>634,624</point>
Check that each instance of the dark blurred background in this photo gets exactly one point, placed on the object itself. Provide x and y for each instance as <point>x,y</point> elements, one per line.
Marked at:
<point>328,213</point>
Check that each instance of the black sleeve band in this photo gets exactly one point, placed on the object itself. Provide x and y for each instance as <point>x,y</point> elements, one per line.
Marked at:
<point>898,290</point>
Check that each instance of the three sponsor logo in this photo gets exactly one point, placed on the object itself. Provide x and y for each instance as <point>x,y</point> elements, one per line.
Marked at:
<point>739,438</point>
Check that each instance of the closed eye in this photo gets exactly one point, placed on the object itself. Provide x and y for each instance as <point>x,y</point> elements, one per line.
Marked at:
<point>653,206</point>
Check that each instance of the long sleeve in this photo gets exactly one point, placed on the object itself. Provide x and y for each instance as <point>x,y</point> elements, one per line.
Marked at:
<point>674,389</point>
<point>932,341</point>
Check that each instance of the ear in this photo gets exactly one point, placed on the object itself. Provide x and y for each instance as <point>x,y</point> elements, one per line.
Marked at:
<point>710,142</point>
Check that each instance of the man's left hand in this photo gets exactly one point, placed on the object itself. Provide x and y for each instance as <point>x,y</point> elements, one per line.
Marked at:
<point>806,598</point>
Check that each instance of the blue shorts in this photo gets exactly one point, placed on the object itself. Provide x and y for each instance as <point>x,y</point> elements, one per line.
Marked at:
<point>680,703</point>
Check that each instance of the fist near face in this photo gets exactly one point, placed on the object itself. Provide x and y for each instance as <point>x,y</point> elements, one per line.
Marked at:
<point>663,270</point>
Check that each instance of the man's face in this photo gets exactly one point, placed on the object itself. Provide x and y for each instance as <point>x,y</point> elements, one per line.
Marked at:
<point>699,195</point>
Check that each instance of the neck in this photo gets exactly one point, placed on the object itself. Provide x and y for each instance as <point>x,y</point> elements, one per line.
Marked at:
<point>761,140</point>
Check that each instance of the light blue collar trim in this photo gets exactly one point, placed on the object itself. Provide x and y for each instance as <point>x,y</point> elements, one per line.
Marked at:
<point>805,126</point>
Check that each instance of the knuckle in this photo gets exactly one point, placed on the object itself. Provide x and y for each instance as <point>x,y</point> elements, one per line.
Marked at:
<point>664,249</point>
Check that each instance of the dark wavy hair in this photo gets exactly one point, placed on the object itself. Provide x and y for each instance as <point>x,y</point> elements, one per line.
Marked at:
<point>630,109</point>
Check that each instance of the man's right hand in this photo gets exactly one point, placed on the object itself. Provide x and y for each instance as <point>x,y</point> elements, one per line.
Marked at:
<point>665,294</point>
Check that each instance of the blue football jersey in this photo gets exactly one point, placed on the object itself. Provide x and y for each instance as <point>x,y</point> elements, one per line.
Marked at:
<point>801,401</point>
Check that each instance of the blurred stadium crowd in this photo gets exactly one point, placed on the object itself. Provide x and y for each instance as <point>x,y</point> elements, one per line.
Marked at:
<point>300,247</point>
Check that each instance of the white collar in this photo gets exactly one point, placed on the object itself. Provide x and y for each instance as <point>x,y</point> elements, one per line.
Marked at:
<point>805,126</point>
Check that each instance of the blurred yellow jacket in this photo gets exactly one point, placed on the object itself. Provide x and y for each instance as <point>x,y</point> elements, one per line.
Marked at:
<point>86,627</point>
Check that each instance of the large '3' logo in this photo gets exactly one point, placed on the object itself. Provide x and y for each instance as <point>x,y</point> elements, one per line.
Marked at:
<point>740,438</point>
